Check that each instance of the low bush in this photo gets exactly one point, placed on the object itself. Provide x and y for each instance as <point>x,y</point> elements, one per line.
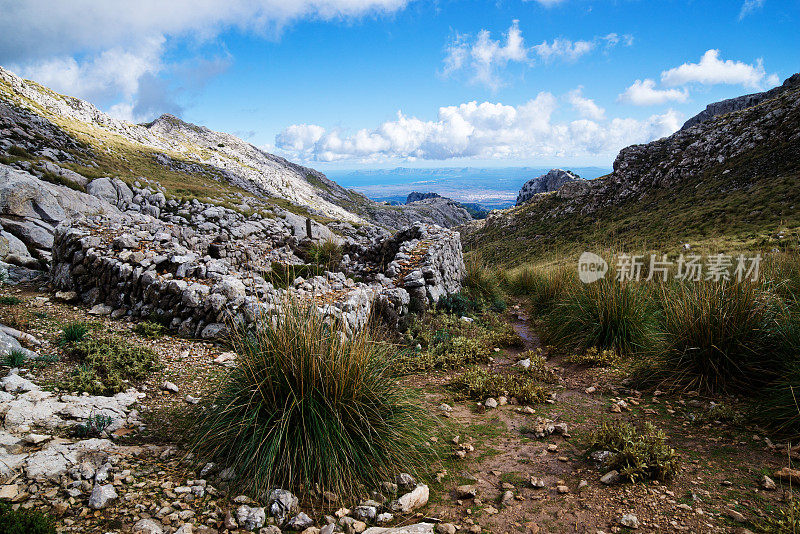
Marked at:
<point>327,254</point>
<point>19,152</point>
<point>481,284</point>
<point>538,369</point>
<point>310,407</point>
<point>636,455</point>
<point>593,357</point>
<point>479,384</point>
<point>92,427</point>
<point>149,329</point>
<point>24,521</point>
<point>108,364</point>
<point>605,315</point>
<point>10,300</point>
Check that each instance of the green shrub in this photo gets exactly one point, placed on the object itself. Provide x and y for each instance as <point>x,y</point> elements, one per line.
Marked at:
<point>481,284</point>
<point>605,315</point>
<point>149,329</point>
<point>15,358</point>
<point>719,337</point>
<point>310,407</point>
<point>108,364</point>
<point>24,521</point>
<point>458,304</point>
<point>538,369</point>
<point>594,357</point>
<point>73,333</point>
<point>478,384</point>
<point>10,300</point>
<point>636,455</point>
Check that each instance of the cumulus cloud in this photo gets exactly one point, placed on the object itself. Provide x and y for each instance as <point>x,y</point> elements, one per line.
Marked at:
<point>114,49</point>
<point>749,6</point>
<point>586,107</point>
<point>712,70</point>
<point>477,130</point>
<point>644,93</point>
<point>485,57</point>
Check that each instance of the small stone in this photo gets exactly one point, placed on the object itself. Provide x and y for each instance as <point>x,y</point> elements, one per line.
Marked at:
<point>466,491</point>
<point>169,386</point>
<point>629,521</point>
<point>251,518</point>
<point>445,528</point>
<point>612,477</point>
<point>9,491</point>
<point>102,496</point>
<point>590,390</point>
<point>490,403</point>
<point>300,522</point>
<point>562,489</point>
<point>147,526</point>
<point>736,516</point>
<point>384,518</point>
<point>538,483</point>
<point>405,482</point>
<point>767,483</point>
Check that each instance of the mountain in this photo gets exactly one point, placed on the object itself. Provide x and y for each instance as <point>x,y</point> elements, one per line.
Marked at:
<point>71,135</point>
<point>545,183</point>
<point>728,179</point>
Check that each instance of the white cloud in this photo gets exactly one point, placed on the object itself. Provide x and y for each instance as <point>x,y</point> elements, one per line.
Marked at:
<point>712,70</point>
<point>749,6</point>
<point>548,3</point>
<point>585,106</point>
<point>477,130</point>
<point>112,49</point>
<point>486,55</point>
<point>644,93</point>
<point>563,49</point>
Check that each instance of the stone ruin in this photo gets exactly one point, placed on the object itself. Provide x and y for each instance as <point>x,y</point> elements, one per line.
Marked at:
<point>202,277</point>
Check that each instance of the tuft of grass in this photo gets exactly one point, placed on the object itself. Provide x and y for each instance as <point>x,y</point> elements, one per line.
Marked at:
<point>479,384</point>
<point>15,358</point>
<point>542,286</point>
<point>636,455</point>
<point>605,314</point>
<point>327,254</point>
<point>783,520</point>
<point>10,300</point>
<point>778,407</point>
<point>311,407</point>
<point>73,333</point>
<point>19,152</point>
<point>481,283</point>
<point>108,364</point>
<point>22,521</point>
<point>149,329</point>
<point>719,337</point>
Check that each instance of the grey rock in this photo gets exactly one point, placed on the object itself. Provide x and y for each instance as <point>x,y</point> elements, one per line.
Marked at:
<point>551,181</point>
<point>251,518</point>
<point>102,496</point>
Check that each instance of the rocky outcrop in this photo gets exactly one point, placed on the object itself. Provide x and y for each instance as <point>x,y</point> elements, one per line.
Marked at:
<point>416,196</point>
<point>741,102</point>
<point>545,183</point>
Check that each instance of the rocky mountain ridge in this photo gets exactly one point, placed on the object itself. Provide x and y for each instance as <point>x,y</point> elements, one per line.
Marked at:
<point>545,184</point>
<point>173,146</point>
<point>725,167</point>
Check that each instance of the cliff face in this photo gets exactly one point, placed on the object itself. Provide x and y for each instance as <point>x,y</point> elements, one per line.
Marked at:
<point>545,183</point>
<point>739,168</point>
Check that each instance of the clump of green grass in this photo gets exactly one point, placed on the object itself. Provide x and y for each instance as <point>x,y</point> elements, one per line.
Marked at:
<point>15,358</point>
<point>636,455</point>
<point>19,152</point>
<point>327,253</point>
<point>22,521</point>
<point>719,337</point>
<point>778,407</point>
<point>10,300</point>
<point>481,283</point>
<point>542,286</point>
<point>594,357</point>
<point>108,364</point>
<point>311,407</point>
<point>92,427</point>
<point>149,329</point>
<point>73,332</point>
<point>605,315</point>
<point>478,384</point>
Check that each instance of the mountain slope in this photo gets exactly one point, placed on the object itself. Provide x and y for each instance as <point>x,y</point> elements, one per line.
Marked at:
<point>729,179</point>
<point>188,160</point>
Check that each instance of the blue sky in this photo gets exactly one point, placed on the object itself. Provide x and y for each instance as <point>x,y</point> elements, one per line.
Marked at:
<point>378,83</point>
